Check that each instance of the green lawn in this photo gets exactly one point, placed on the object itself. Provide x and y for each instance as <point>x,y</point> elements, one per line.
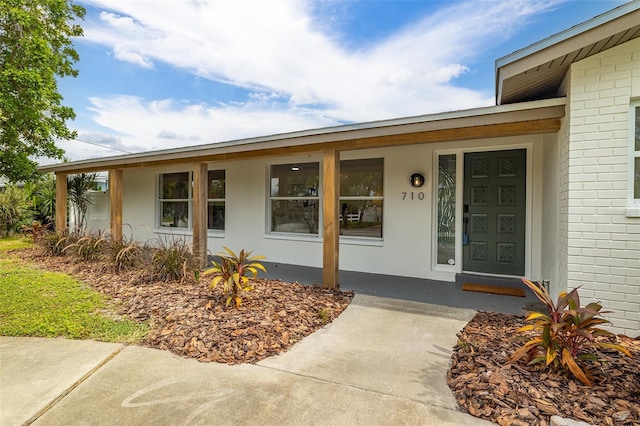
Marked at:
<point>34,302</point>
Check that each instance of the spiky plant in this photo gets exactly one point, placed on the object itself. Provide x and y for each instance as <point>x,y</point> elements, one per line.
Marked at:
<point>565,334</point>
<point>233,270</point>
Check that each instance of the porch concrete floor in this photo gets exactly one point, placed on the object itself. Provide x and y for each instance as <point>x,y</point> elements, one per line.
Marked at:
<point>406,288</point>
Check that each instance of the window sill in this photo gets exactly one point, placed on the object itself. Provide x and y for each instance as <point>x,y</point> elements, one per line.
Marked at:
<point>359,241</point>
<point>173,231</point>
<point>188,232</point>
<point>633,211</point>
<point>312,238</point>
<point>353,241</point>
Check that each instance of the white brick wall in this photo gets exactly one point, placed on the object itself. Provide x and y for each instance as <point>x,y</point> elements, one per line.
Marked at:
<point>565,187</point>
<point>599,245</point>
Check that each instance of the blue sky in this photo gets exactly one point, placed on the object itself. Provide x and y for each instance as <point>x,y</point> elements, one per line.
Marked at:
<point>158,74</point>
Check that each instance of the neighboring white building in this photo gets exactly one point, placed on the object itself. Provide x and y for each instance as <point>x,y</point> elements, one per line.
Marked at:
<point>4,182</point>
<point>546,184</point>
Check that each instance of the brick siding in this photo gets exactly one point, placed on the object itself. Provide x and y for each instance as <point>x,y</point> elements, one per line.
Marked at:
<point>599,244</point>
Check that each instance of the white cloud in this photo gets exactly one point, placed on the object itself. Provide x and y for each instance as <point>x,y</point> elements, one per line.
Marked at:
<point>302,76</point>
<point>123,54</point>
<point>168,124</point>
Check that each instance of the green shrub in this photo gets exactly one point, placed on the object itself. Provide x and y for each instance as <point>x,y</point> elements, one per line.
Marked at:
<point>232,271</point>
<point>565,335</point>
<point>78,187</point>
<point>14,210</point>
<point>44,197</point>
<point>172,261</point>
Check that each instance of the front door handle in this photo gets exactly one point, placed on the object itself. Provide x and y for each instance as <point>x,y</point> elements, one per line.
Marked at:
<point>465,231</point>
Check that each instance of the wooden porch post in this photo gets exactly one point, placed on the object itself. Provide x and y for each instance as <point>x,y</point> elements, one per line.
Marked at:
<point>330,215</point>
<point>61,202</point>
<point>200,186</point>
<point>115,200</point>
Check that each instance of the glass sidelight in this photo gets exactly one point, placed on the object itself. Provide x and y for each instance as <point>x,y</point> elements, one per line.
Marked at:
<point>446,251</point>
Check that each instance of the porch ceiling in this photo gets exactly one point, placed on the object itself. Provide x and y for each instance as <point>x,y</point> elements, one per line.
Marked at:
<point>497,121</point>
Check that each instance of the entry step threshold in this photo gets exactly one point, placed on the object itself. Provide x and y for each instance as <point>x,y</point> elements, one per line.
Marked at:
<point>491,280</point>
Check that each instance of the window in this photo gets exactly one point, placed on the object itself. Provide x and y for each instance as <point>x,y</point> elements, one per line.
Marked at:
<point>215,200</point>
<point>635,154</point>
<point>174,193</point>
<point>293,198</point>
<point>176,197</point>
<point>446,251</point>
<point>361,197</point>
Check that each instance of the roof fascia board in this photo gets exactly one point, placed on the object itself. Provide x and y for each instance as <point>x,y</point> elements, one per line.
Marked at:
<point>549,108</point>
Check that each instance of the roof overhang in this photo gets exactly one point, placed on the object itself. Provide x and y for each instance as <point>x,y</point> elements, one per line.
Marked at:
<point>495,121</point>
<point>537,71</point>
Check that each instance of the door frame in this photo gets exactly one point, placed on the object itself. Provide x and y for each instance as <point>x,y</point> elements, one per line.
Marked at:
<point>529,204</point>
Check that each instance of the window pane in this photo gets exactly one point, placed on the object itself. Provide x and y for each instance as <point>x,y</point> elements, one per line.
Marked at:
<point>361,178</point>
<point>361,218</point>
<point>637,132</point>
<point>216,184</point>
<point>446,209</point>
<point>175,214</point>
<point>636,180</point>
<point>174,186</point>
<point>295,180</point>
<point>215,215</point>
<point>298,216</point>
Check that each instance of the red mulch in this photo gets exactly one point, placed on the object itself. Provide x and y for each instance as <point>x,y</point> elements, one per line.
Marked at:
<point>191,320</point>
<point>487,386</point>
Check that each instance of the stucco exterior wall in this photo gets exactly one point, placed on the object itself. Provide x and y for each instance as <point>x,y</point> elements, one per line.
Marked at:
<point>407,248</point>
<point>602,244</point>
<point>139,204</point>
<point>98,212</point>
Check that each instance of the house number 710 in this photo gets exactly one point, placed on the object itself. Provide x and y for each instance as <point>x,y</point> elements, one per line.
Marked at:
<point>413,195</point>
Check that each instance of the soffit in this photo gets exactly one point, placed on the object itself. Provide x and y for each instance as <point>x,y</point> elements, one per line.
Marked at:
<point>538,71</point>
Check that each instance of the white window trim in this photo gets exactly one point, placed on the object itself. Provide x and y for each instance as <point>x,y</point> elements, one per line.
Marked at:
<point>344,239</point>
<point>362,240</point>
<point>218,233</point>
<point>160,229</point>
<point>293,235</point>
<point>633,204</point>
<point>168,229</point>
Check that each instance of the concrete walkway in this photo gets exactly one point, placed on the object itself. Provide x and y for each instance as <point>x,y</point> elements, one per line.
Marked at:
<point>382,362</point>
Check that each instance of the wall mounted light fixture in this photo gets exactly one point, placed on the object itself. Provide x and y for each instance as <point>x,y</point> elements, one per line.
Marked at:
<point>416,180</point>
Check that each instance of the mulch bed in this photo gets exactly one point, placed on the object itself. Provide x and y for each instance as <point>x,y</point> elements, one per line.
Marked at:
<point>191,320</point>
<point>487,386</point>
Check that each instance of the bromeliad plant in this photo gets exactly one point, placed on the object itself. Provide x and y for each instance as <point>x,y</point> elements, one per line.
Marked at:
<point>233,272</point>
<point>565,335</point>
